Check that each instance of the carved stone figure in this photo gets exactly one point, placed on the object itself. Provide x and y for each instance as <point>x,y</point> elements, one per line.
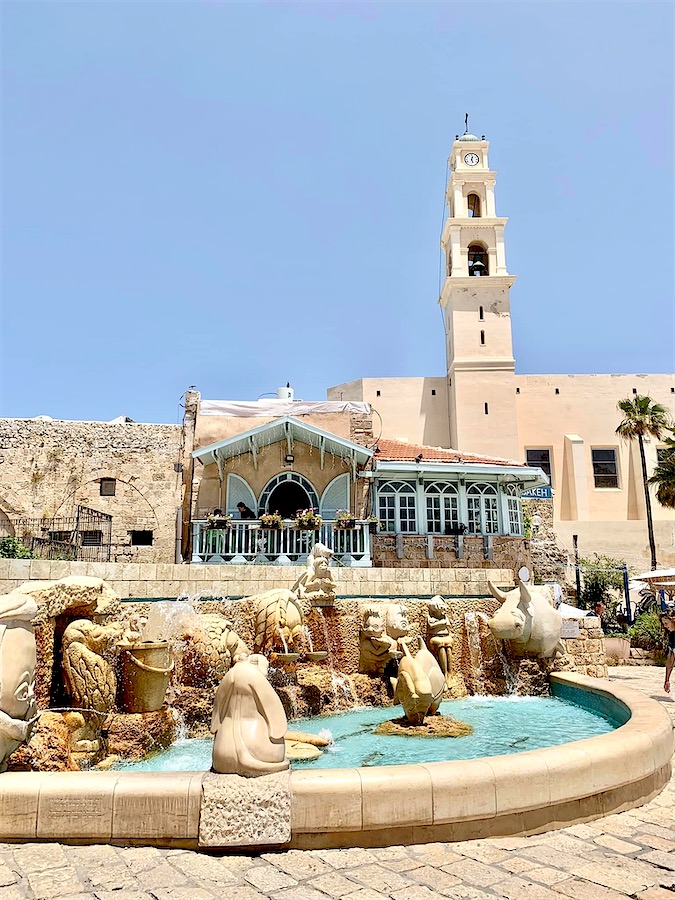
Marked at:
<point>208,650</point>
<point>435,675</point>
<point>18,711</point>
<point>412,688</point>
<point>317,583</point>
<point>88,668</point>
<point>248,722</point>
<point>527,618</point>
<point>376,647</point>
<point>278,621</point>
<point>440,638</point>
<point>398,624</point>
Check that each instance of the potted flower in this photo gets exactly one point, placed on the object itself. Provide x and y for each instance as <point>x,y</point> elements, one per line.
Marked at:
<point>218,520</point>
<point>271,520</point>
<point>344,519</point>
<point>308,520</point>
<point>456,529</point>
<point>373,524</point>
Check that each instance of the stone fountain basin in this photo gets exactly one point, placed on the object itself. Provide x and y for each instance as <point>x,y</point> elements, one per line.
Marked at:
<point>524,793</point>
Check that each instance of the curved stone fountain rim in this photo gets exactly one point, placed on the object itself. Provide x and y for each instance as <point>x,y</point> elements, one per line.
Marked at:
<point>522,793</point>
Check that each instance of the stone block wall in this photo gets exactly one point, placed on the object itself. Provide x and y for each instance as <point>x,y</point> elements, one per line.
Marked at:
<point>507,552</point>
<point>586,653</point>
<point>49,467</point>
<point>164,580</point>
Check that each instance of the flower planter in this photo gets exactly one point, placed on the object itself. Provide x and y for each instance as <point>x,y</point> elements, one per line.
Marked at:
<point>346,523</point>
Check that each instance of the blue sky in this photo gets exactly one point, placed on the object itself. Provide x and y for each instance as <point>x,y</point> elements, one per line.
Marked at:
<point>239,195</point>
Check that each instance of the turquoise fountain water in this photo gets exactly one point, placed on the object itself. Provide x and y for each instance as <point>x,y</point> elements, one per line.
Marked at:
<point>502,725</point>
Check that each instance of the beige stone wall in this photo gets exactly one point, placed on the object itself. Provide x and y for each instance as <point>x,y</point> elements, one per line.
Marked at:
<point>49,467</point>
<point>407,407</point>
<point>586,654</point>
<point>507,552</point>
<point>164,580</point>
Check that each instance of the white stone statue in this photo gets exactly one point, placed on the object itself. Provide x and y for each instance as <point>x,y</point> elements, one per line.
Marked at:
<point>249,722</point>
<point>279,622</point>
<point>376,647</point>
<point>18,711</point>
<point>440,638</point>
<point>527,618</point>
<point>398,624</point>
<point>435,675</point>
<point>412,688</point>
<point>317,583</point>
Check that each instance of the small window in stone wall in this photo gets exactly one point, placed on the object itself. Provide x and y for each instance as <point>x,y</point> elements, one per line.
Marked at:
<point>141,538</point>
<point>108,486</point>
<point>91,538</point>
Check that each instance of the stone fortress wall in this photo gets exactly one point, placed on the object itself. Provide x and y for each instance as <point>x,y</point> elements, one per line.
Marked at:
<point>48,467</point>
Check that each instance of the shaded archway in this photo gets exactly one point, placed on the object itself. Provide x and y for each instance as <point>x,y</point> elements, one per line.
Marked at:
<point>287,498</point>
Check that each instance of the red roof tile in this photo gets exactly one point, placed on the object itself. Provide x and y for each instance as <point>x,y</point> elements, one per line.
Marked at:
<point>405,452</point>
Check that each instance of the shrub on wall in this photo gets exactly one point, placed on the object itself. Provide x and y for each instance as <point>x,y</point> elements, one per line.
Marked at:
<point>647,632</point>
<point>11,548</point>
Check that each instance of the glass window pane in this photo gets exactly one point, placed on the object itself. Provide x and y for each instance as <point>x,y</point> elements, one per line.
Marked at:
<point>491,517</point>
<point>605,471</point>
<point>474,515</point>
<point>387,506</point>
<point>451,511</point>
<point>434,515</point>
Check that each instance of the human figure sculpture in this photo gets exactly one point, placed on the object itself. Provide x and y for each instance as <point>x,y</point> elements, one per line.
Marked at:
<point>436,677</point>
<point>18,710</point>
<point>88,671</point>
<point>248,722</point>
<point>440,638</point>
<point>317,582</point>
<point>279,622</point>
<point>398,624</point>
<point>376,647</point>
<point>412,688</point>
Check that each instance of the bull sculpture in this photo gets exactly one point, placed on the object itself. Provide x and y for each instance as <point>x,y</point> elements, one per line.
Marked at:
<point>527,618</point>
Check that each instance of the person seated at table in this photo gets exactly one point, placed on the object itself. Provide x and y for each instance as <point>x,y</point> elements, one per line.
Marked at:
<point>245,512</point>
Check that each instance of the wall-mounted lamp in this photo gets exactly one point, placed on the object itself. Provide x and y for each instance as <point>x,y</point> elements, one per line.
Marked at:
<point>289,458</point>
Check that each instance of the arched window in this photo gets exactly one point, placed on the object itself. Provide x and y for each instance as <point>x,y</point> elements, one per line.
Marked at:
<point>239,491</point>
<point>442,501</point>
<point>473,204</point>
<point>396,506</point>
<point>483,509</point>
<point>478,260</point>
<point>287,493</point>
<point>515,510</point>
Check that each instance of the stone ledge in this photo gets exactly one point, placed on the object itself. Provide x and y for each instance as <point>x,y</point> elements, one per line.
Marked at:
<point>245,812</point>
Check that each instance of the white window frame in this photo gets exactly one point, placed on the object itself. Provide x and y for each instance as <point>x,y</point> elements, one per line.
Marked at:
<point>488,515</point>
<point>514,510</point>
<point>396,494</point>
<point>448,512</point>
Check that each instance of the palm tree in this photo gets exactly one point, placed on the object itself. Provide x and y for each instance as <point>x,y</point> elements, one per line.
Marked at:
<point>664,476</point>
<point>643,417</point>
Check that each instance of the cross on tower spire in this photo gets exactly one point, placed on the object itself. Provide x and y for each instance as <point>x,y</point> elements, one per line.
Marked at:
<point>466,123</point>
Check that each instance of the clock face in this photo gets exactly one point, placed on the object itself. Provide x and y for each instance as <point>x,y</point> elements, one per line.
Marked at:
<point>471,159</point>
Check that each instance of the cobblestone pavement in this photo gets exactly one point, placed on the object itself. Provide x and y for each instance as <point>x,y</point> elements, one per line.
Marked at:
<point>630,854</point>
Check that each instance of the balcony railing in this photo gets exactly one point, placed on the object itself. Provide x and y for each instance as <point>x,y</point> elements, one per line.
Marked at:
<point>248,542</point>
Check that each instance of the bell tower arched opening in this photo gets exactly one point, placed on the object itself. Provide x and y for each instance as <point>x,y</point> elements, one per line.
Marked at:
<point>478,260</point>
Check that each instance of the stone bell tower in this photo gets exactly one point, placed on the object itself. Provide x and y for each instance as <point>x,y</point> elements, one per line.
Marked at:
<point>475,301</point>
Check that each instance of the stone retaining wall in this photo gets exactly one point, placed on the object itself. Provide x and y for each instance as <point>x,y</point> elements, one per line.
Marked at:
<point>586,653</point>
<point>162,580</point>
<point>504,553</point>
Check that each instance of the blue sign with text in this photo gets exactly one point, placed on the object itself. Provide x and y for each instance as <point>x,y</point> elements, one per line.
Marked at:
<point>545,492</point>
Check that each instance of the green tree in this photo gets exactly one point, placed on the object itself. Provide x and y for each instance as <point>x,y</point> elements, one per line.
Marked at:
<point>643,418</point>
<point>11,548</point>
<point>664,476</point>
<point>601,575</point>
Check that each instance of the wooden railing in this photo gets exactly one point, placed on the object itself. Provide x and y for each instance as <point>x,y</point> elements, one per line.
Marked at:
<point>248,542</point>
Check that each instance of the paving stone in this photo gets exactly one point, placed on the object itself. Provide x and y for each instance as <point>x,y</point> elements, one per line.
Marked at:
<point>657,843</point>
<point>39,857</point>
<point>112,878</point>
<point>184,893</point>
<point>298,864</point>
<point>519,889</point>
<point>517,864</point>
<point>387,854</point>
<point>628,876</point>
<point>161,875</point>
<point>239,892</point>
<point>333,884</point>
<point>12,893</point>
<point>123,895</point>
<point>93,855</point>
<point>204,868</point>
<point>379,878</point>
<point>475,873</point>
<point>436,879</point>
<point>54,883</point>
<point>656,893</point>
<point>580,831</point>
<point>660,858</point>
<point>438,854</point>
<point>558,859</point>
<point>139,859</point>
<point>416,892</point>
<point>545,875</point>
<point>466,892</point>
<point>481,851</point>
<point>616,844</point>
<point>348,858</point>
<point>7,876</point>
<point>586,890</point>
<point>269,878</point>
<point>365,894</point>
<point>301,892</point>
<point>667,834</point>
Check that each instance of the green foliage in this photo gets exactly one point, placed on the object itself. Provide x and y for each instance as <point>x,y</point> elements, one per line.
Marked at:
<point>11,548</point>
<point>664,476</point>
<point>647,632</point>
<point>601,574</point>
<point>642,417</point>
<point>527,524</point>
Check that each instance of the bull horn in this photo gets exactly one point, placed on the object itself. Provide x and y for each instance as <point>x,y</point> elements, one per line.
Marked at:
<point>525,594</point>
<point>496,593</point>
